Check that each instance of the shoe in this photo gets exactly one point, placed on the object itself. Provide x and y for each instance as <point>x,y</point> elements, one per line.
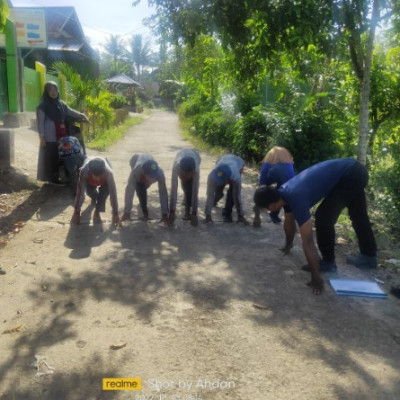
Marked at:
<point>57,182</point>
<point>274,218</point>
<point>227,218</point>
<point>395,291</point>
<point>324,266</point>
<point>362,261</point>
<point>217,198</point>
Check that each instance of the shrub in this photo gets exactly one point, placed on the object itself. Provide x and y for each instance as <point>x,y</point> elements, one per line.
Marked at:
<point>309,139</point>
<point>257,132</point>
<point>118,101</point>
<point>385,181</point>
<point>194,105</point>
<point>215,127</point>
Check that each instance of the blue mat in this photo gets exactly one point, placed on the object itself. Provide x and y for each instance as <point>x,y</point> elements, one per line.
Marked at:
<point>349,287</point>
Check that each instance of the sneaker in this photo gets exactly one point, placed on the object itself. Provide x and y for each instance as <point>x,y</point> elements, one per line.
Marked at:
<point>217,198</point>
<point>227,218</point>
<point>324,266</point>
<point>362,261</point>
<point>274,218</point>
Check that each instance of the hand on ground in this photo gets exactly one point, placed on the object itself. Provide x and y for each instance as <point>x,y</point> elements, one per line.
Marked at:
<point>75,220</point>
<point>317,285</point>
<point>115,220</point>
<point>286,249</point>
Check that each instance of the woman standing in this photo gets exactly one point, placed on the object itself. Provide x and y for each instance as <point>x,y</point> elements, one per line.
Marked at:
<point>51,116</point>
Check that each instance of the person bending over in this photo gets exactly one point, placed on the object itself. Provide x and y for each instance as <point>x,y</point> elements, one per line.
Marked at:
<point>144,172</point>
<point>186,167</point>
<point>228,170</point>
<point>339,183</point>
<point>277,168</point>
<point>97,179</point>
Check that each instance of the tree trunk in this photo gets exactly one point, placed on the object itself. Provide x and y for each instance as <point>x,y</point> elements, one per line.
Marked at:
<point>366,88</point>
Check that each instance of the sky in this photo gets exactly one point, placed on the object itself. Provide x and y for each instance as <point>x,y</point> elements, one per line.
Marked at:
<point>101,18</point>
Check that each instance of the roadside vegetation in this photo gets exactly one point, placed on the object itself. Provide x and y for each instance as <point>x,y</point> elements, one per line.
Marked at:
<point>104,139</point>
<point>321,78</point>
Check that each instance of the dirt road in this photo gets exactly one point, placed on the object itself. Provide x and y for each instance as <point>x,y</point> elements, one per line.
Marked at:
<point>214,312</point>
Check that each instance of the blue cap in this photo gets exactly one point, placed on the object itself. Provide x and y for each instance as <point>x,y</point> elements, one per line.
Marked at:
<point>221,174</point>
<point>150,168</point>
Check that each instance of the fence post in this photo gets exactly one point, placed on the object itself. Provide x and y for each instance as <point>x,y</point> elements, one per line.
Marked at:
<point>41,68</point>
<point>63,86</point>
<point>12,67</point>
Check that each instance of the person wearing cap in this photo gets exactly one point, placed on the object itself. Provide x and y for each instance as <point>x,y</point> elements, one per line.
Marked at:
<point>97,179</point>
<point>186,167</point>
<point>276,169</point>
<point>339,183</point>
<point>144,172</point>
<point>228,170</point>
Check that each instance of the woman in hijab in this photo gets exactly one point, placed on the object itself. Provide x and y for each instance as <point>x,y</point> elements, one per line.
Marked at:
<point>51,116</point>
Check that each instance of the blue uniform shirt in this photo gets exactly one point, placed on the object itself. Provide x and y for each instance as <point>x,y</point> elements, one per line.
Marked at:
<point>313,184</point>
<point>277,173</point>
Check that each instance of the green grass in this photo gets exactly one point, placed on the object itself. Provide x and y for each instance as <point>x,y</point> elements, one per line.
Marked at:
<point>103,140</point>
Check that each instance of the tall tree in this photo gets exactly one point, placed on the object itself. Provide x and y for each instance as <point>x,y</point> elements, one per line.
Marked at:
<point>115,47</point>
<point>258,30</point>
<point>360,20</point>
<point>140,54</point>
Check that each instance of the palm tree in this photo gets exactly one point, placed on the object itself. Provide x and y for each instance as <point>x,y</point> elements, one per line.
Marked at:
<point>115,47</point>
<point>140,54</point>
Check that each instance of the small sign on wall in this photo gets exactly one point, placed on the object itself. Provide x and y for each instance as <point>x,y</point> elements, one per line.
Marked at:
<point>30,25</point>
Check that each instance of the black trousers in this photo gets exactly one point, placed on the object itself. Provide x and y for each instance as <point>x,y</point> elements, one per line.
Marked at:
<point>349,193</point>
<point>229,202</point>
<point>187,187</point>
<point>52,162</point>
<point>99,196</point>
<point>141,191</point>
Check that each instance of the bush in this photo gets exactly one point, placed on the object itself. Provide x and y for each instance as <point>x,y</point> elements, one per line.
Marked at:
<point>246,102</point>
<point>194,105</point>
<point>120,116</point>
<point>385,181</point>
<point>309,139</point>
<point>257,132</point>
<point>215,127</point>
<point>118,101</point>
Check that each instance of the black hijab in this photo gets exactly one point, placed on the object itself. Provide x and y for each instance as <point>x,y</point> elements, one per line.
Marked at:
<point>54,109</point>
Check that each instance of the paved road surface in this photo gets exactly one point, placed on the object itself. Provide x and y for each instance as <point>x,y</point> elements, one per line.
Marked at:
<point>214,312</point>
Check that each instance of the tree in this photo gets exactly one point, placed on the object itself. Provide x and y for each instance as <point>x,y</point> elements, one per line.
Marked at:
<point>140,54</point>
<point>115,47</point>
<point>3,14</point>
<point>258,31</point>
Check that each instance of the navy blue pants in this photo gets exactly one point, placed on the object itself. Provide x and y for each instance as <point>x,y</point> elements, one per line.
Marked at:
<point>349,193</point>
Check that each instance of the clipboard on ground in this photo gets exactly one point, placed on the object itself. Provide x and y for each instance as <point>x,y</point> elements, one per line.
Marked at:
<point>350,287</point>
